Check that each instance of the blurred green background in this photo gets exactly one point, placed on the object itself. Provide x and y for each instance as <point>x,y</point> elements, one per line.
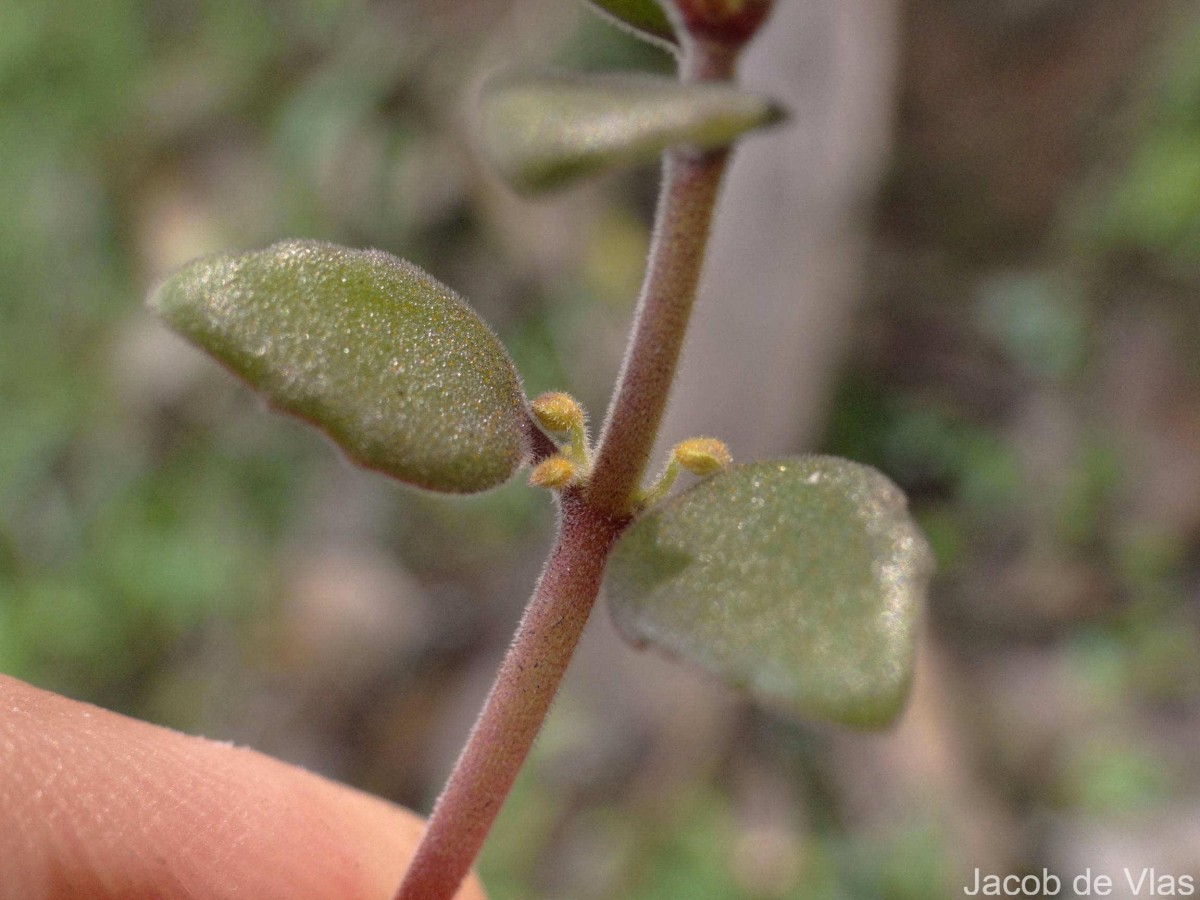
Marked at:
<point>1021,353</point>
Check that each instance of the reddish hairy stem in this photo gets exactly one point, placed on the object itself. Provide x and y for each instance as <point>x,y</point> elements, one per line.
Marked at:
<point>512,716</point>
<point>591,519</point>
<point>691,181</point>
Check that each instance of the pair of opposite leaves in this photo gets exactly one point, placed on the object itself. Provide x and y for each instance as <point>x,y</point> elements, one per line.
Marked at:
<point>798,579</point>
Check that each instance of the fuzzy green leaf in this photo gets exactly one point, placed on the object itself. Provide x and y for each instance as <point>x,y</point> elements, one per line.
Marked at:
<point>542,131</point>
<point>386,360</point>
<point>800,580</point>
<point>645,18</point>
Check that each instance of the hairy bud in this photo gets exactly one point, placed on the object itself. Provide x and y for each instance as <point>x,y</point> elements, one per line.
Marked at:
<point>702,456</point>
<point>556,411</point>
<point>555,472</point>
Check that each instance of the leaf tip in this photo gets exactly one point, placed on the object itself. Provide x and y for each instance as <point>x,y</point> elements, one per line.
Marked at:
<point>642,18</point>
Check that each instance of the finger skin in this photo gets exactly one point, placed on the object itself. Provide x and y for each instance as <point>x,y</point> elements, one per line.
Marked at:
<point>94,805</point>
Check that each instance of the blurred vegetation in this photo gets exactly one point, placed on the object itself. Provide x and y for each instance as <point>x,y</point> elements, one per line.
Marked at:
<point>169,551</point>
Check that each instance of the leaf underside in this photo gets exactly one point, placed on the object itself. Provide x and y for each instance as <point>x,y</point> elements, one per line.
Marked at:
<point>387,361</point>
<point>799,580</point>
<point>541,131</point>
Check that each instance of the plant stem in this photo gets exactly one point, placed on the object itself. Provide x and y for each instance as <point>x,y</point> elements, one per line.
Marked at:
<point>512,716</point>
<point>691,181</point>
<point>591,519</point>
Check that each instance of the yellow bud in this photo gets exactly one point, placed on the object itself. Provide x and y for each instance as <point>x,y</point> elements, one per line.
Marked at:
<point>555,472</point>
<point>702,456</point>
<point>556,411</point>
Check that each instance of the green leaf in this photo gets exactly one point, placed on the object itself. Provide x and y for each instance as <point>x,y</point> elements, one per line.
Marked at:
<point>800,580</point>
<point>386,360</point>
<point>645,18</point>
<point>542,131</point>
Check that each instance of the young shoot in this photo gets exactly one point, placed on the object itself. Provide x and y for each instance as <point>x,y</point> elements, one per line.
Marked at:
<point>798,579</point>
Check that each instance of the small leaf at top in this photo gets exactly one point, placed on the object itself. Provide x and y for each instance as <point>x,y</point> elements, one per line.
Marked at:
<point>800,580</point>
<point>386,360</point>
<point>543,131</point>
<point>645,18</point>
